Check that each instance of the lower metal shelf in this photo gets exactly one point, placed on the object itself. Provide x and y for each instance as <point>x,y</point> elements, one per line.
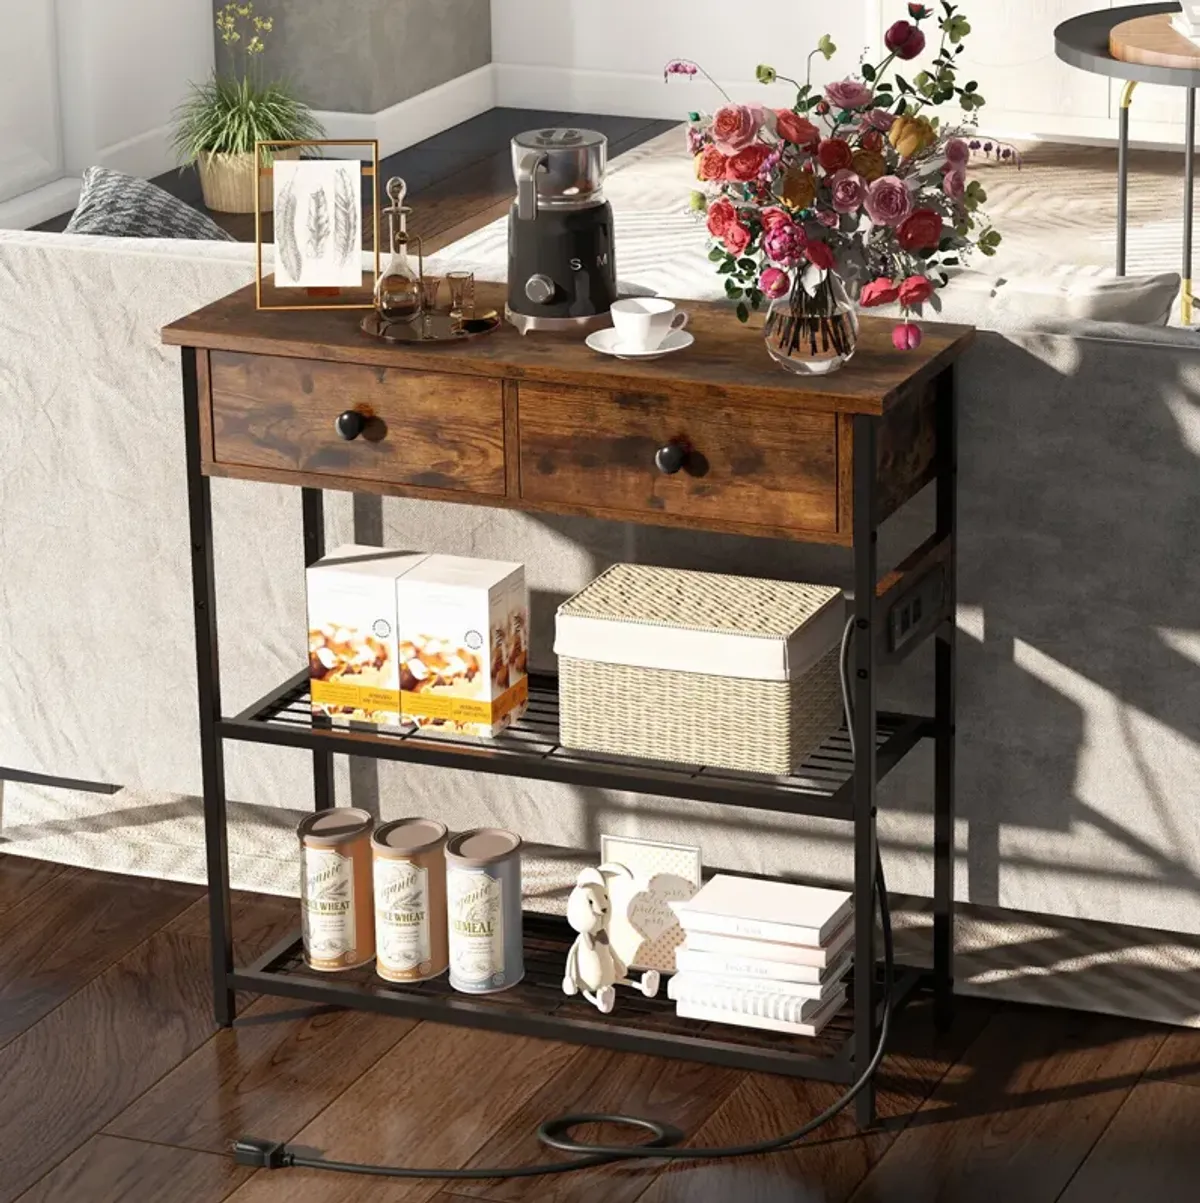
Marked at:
<point>536,1006</point>
<point>821,787</point>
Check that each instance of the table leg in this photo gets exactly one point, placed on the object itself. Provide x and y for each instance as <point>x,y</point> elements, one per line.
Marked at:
<point>1123,173</point>
<point>1189,156</point>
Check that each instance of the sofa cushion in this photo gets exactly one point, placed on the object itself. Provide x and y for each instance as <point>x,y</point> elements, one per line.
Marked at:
<point>1085,294</point>
<point>123,206</point>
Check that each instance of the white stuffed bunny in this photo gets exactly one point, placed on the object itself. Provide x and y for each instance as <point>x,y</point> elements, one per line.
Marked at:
<point>592,966</point>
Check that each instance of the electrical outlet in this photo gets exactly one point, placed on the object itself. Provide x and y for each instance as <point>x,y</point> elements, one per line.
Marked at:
<point>912,611</point>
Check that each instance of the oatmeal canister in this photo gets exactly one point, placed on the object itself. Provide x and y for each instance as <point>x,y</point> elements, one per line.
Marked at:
<point>410,900</point>
<point>337,907</point>
<point>483,896</point>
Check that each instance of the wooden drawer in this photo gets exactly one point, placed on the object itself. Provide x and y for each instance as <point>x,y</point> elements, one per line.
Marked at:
<point>747,465</point>
<point>423,429</point>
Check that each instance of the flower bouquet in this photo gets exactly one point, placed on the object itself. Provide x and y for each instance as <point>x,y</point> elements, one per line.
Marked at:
<point>856,192</point>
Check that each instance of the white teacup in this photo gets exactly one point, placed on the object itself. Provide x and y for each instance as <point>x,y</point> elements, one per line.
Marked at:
<point>642,323</point>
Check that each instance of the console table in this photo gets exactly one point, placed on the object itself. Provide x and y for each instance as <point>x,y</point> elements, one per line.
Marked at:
<point>716,438</point>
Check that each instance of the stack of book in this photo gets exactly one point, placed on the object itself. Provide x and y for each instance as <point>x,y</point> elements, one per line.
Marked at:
<point>763,954</point>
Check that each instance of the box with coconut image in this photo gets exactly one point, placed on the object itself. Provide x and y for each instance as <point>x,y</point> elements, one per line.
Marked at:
<point>462,645</point>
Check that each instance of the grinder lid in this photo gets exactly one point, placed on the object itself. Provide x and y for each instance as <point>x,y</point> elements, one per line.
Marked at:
<point>559,138</point>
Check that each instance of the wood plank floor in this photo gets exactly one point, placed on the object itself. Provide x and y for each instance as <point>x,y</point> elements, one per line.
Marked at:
<point>117,1086</point>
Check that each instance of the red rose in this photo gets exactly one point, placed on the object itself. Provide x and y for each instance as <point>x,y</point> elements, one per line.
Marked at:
<point>872,140</point>
<point>746,164</point>
<point>835,154</point>
<point>736,238</point>
<point>906,336</point>
<point>920,230</point>
<point>710,164</point>
<point>721,215</point>
<point>916,290</point>
<point>774,217</point>
<point>878,292</point>
<point>820,255</point>
<point>793,128</point>
<point>904,40</point>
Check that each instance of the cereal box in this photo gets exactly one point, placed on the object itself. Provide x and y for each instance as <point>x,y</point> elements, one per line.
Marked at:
<point>354,669</point>
<point>462,642</point>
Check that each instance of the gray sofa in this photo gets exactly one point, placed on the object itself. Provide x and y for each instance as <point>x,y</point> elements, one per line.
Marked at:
<point>1080,680</point>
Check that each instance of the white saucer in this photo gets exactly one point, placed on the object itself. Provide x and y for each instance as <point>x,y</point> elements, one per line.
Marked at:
<point>605,341</point>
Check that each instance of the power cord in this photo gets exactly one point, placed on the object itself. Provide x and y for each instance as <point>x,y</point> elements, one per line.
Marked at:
<point>663,1141</point>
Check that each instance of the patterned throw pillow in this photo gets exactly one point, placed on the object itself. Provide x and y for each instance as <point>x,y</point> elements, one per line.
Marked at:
<point>122,206</point>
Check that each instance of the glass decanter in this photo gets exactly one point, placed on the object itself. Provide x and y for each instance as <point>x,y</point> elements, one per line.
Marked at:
<point>398,289</point>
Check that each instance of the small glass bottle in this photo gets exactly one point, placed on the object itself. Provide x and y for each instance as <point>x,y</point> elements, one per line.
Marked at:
<point>398,289</point>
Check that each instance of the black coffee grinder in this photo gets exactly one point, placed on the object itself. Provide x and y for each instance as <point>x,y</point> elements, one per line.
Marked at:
<point>561,267</point>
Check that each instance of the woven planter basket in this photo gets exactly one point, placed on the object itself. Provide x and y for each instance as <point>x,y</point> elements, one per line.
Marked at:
<point>701,718</point>
<point>227,182</point>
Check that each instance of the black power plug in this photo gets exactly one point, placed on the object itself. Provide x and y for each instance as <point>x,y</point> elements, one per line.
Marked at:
<point>261,1154</point>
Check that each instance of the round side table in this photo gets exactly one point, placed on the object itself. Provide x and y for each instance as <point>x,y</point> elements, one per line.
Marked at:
<point>1137,44</point>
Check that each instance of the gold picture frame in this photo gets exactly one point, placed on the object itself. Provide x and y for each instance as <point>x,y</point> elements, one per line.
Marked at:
<point>316,296</point>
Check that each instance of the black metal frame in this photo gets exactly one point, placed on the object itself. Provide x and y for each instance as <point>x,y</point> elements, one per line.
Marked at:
<point>833,784</point>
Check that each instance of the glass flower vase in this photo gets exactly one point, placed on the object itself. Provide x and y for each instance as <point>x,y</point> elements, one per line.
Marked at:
<point>812,334</point>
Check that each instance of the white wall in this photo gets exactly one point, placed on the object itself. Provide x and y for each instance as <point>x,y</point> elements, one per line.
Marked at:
<point>91,82</point>
<point>607,56</point>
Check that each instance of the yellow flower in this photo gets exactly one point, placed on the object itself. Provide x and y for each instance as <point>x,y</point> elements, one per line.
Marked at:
<point>798,190</point>
<point>911,135</point>
<point>870,164</point>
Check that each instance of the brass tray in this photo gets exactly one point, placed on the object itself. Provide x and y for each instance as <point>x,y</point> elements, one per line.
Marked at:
<point>430,328</point>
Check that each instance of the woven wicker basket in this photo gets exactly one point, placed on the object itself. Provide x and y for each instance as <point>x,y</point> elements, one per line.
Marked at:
<point>634,647</point>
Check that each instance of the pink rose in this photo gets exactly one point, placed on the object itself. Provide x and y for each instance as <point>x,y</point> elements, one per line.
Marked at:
<point>773,217</point>
<point>785,244</point>
<point>710,164</point>
<point>916,290</point>
<point>833,154</point>
<point>872,140</point>
<point>904,40</point>
<point>746,164</point>
<point>880,119</point>
<point>878,292</point>
<point>827,218</point>
<point>721,215</point>
<point>957,152</point>
<point>955,183</point>
<point>849,94</point>
<point>921,231</point>
<point>775,283</point>
<point>736,238</point>
<point>820,254</point>
<point>734,127</point>
<point>791,127</point>
<point>888,201</point>
<point>848,191</point>
<point>906,336</point>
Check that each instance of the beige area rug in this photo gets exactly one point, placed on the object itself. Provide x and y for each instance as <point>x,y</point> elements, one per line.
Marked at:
<point>1000,954</point>
<point>1057,212</point>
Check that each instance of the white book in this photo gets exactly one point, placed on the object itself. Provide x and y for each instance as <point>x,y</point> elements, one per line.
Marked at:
<point>763,1004</point>
<point>691,983</point>
<point>819,959</point>
<point>691,960</point>
<point>765,910</point>
<point>808,1027</point>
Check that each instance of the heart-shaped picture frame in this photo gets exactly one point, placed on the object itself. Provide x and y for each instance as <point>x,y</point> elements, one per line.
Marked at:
<point>642,929</point>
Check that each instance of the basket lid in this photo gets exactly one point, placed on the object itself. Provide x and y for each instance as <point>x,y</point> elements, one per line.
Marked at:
<point>701,622</point>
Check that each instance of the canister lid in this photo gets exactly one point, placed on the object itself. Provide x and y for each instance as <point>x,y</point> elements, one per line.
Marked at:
<point>409,835</point>
<point>327,828</point>
<point>560,138</point>
<point>484,846</point>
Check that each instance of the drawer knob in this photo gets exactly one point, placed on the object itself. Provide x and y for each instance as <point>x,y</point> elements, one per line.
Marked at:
<point>669,458</point>
<point>350,424</point>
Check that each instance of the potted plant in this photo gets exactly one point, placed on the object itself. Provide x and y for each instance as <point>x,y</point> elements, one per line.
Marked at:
<point>218,124</point>
<point>855,196</point>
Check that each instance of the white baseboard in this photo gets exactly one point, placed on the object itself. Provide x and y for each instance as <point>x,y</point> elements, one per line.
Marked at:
<point>39,204</point>
<point>146,155</point>
<point>403,125</point>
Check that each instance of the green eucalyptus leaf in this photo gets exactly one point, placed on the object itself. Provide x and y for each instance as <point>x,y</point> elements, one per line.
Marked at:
<point>716,254</point>
<point>743,313</point>
<point>868,73</point>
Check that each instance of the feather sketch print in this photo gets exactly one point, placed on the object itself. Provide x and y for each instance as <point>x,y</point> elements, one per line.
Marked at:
<point>318,223</point>
<point>286,244</point>
<point>345,217</point>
